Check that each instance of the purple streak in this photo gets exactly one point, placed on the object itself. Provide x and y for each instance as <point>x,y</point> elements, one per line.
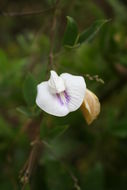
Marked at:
<point>66,96</point>
<point>60,99</point>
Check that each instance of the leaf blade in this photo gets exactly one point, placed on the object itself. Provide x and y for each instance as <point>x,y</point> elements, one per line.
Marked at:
<point>30,90</point>
<point>58,131</point>
<point>71,32</point>
<point>88,34</point>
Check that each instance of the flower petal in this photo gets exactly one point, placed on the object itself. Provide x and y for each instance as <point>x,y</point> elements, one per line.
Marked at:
<point>49,102</point>
<point>90,106</point>
<point>56,83</point>
<point>75,89</point>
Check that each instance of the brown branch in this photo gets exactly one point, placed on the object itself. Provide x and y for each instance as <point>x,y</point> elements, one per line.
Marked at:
<point>52,34</point>
<point>121,71</point>
<point>32,128</point>
<point>26,172</point>
<point>13,14</point>
<point>37,144</point>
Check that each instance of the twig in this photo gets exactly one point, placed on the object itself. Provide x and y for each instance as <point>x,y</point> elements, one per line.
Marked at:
<point>36,150</point>
<point>52,35</point>
<point>27,170</point>
<point>30,13</point>
<point>76,185</point>
<point>121,71</point>
<point>94,77</point>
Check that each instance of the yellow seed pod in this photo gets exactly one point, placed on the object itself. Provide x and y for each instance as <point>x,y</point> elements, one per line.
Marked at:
<point>90,107</point>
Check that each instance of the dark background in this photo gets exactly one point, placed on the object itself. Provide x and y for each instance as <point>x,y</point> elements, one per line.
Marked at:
<point>84,157</point>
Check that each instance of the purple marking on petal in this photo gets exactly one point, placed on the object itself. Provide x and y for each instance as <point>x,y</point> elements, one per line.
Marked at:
<point>65,99</point>
<point>67,96</point>
<point>60,99</point>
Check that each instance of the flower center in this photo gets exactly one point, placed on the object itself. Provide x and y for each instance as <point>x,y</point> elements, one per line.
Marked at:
<point>57,87</point>
<point>56,83</point>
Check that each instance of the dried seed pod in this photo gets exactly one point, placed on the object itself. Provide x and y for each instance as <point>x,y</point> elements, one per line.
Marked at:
<point>90,107</point>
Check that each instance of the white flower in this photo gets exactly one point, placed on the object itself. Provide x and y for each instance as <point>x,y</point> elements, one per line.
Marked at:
<point>61,94</point>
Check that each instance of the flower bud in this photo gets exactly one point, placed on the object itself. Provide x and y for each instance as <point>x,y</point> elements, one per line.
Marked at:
<point>90,106</point>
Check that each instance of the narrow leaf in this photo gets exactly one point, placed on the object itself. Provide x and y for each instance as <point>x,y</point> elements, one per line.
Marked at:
<point>71,32</point>
<point>24,110</point>
<point>96,175</point>
<point>5,129</point>
<point>88,34</point>
<point>30,90</point>
<point>58,131</point>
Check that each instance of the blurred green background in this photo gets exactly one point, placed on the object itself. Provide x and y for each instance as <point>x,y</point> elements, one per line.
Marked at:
<point>74,155</point>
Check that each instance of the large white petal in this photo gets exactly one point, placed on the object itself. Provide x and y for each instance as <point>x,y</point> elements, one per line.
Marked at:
<point>49,102</point>
<point>75,88</point>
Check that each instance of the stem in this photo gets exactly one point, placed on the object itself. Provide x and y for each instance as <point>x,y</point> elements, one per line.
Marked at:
<point>30,13</point>
<point>37,144</point>
<point>34,155</point>
<point>52,34</point>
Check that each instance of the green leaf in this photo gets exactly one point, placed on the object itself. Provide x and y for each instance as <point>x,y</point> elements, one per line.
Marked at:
<point>88,34</point>
<point>5,129</point>
<point>119,9</point>
<point>120,129</point>
<point>44,130</point>
<point>58,131</point>
<point>24,110</point>
<point>29,112</point>
<point>3,62</point>
<point>30,90</point>
<point>123,60</point>
<point>53,132</point>
<point>71,32</point>
<point>96,176</point>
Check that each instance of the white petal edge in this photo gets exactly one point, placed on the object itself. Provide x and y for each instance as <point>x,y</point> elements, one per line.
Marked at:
<point>49,102</point>
<point>75,88</point>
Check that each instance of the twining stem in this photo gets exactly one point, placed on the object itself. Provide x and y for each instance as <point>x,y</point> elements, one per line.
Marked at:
<point>27,13</point>
<point>52,41</point>
<point>37,144</point>
<point>52,34</point>
<point>34,155</point>
<point>27,170</point>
